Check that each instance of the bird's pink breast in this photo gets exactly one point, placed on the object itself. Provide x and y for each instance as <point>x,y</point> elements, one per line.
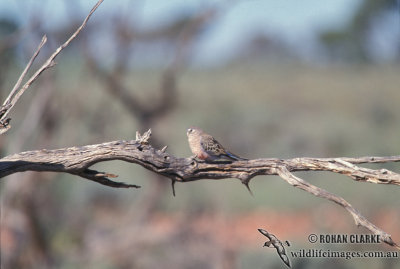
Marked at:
<point>202,155</point>
<point>195,146</point>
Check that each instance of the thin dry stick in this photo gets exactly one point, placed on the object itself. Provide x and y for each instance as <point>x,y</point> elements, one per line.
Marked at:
<point>16,93</point>
<point>78,160</point>
<point>358,218</point>
<point>12,97</point>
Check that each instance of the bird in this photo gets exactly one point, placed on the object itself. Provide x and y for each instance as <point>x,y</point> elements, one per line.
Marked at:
<point>207,148</point>
<point>278,245</point>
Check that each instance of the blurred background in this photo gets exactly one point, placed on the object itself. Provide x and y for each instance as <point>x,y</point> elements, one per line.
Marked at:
<point>267,78</point>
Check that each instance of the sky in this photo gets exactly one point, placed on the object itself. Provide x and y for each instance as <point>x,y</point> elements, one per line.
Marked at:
<point>294,21</point>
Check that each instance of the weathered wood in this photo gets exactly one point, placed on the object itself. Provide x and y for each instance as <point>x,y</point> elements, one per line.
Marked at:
<point>17,91</point>
<point>74,160</point>
<point>77,161</point>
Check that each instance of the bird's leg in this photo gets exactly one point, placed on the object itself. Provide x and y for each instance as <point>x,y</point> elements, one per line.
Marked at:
<point>193,157</point>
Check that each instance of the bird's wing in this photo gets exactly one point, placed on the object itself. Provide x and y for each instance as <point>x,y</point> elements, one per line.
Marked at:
<point>280,248</point>
<point>273,237</point>
<point>284,257</point>
<point>212,146</point>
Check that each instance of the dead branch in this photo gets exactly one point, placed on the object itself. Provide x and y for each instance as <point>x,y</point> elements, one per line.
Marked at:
<point>360,220</point>
<point>77,161</point>
<point>183,33</point>
<point>17,91</point>
<point>168,89</point>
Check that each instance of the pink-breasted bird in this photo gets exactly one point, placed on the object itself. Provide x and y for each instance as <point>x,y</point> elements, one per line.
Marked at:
<point>205,147</point>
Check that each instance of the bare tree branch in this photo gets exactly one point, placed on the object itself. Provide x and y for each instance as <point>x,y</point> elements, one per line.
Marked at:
<point>77,160</point>
<point>13,97</point>
<point>168,89</point>
<point>16,92</point>
<point>358,218</point>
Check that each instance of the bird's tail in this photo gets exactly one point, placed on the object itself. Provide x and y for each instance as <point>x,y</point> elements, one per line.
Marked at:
<point>235,157</point>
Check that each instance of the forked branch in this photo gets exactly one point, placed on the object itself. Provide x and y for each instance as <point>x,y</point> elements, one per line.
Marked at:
<point>17,91</point>
<point>78,160</point>
<point>358,218</point>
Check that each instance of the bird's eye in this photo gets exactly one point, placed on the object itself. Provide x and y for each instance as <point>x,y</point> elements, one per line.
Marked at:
<point>190,130</point>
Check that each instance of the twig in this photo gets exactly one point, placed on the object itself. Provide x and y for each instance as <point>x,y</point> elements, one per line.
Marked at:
<point>77,160</point>
<point>36,113</point>
<point>358,218</point>
<point>17,92</point>
<point>14,95</point>
<point>13,98</point>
